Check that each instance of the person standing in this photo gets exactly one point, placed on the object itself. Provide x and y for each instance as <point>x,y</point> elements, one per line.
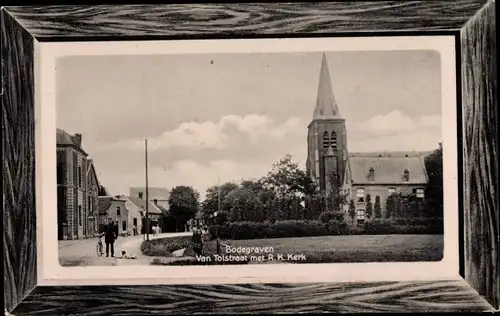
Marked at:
<point>197,241</point>
<point>110,235</point>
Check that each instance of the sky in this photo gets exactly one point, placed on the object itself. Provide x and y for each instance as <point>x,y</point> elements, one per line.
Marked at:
<point>231,116</point>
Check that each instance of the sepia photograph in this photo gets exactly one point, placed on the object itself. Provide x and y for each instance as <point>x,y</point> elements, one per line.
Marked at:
<point>250,158</point>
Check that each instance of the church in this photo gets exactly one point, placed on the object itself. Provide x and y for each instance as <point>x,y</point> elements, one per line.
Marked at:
<point>360,174</point>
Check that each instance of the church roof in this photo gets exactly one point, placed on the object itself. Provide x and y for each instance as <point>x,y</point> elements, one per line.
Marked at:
<point>63,138</point>
<point>387,169</point>
<point>326,105</point>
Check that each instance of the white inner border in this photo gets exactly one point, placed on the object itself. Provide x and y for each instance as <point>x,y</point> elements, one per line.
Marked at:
<point>51,273</point>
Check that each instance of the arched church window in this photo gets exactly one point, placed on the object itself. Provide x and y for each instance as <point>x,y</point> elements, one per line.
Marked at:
<point>333,140</point>
<point>326,140</point>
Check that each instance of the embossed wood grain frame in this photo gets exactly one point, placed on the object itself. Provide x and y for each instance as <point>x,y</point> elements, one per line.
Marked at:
<point>471,21</point>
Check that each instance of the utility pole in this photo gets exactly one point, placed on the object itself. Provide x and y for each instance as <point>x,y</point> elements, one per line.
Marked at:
<point>218,212</point>
<point>218,194</point>
<point>147,195</point>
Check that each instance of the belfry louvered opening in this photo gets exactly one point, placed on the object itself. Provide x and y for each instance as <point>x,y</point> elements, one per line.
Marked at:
<point>333,140</point>
<point>326,140</point>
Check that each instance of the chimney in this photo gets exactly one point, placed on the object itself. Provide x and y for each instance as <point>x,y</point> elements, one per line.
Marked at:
<point>140,195</point>
<point>406,175</point>
<point>78,138</point>
<point>371,174</point>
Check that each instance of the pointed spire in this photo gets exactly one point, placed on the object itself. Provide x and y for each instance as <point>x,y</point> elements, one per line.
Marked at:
<point>326,105</point>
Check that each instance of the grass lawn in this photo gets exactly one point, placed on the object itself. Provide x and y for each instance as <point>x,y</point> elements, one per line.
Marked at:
<point>352,248</point>
<point>335,249</point>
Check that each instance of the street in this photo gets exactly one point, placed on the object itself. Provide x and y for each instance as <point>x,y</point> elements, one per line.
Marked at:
<point>83,252</point>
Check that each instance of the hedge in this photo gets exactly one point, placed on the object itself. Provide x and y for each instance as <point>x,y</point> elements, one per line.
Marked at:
<point>164,246</point>
<point>311,228</point>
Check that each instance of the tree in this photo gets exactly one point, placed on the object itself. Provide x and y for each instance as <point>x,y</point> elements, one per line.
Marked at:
<point>243,205</point>
<point>378,210</point>
<point>211,202</point>
<point>390,206</point>
<point>352,210</point>
<point>287,178</point>
<point>183,204</point>
<point>369,206</point>
<point>434,189</point>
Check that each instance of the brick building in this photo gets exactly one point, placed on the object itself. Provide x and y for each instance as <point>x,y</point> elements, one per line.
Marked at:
<point>77,189</point>
<point>356,174</point>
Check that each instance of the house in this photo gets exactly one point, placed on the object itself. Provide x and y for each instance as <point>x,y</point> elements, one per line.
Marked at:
<point>155,213</point>
<point>77,189</point>
<point>160,195</point>
<point>122,211</point>
<point>383,174</point>
<point>356,174</point>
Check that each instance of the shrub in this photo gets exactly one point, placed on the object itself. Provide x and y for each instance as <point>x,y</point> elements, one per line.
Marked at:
<point>337,228</point>
<point>328,216</point>
<point>165,246</point>
<point>310,228</point>
<point>369,206</point>
<point>377,207</point>
<point>403,226</point>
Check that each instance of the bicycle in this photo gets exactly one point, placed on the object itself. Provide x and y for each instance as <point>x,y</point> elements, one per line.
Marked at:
<point>99,246</point>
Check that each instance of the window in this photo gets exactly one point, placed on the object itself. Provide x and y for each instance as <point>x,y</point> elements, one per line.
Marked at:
<point>124,225</point>
<point>326,140</point>
<point>60,174</point>
<point>117,211</point>
<point>80,177</point>
<point>333,140</point>
<point>360,214</point>
<point>79,215</point>
<point>391,191</point>
<point>406,175</point>
<point>420,193</point>
<point>360,194</point>
<point>371,174</point>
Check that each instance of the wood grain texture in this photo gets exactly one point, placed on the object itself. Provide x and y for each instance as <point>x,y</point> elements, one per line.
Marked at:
<point>238,19</point>
<point>18,141</point>
<point>395,297</point>
<point>479,97</point>
<point>58,23</point>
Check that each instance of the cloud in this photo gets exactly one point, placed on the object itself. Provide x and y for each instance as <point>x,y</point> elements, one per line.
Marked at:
<point>395,131</point>
<point>216,135</point>
<point>397,122</point>
<point>187,172</point>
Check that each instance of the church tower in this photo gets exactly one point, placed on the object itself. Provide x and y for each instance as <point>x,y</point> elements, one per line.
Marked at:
<point>326,138</point>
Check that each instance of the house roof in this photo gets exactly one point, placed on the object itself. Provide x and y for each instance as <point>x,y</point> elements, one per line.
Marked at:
<point>104,203</point>
<point>393,154</point>
<point>387,169</point>
<point>152,208</point>
<point>158,193</point>
<point>165,210</point>
<point>63,138</point>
